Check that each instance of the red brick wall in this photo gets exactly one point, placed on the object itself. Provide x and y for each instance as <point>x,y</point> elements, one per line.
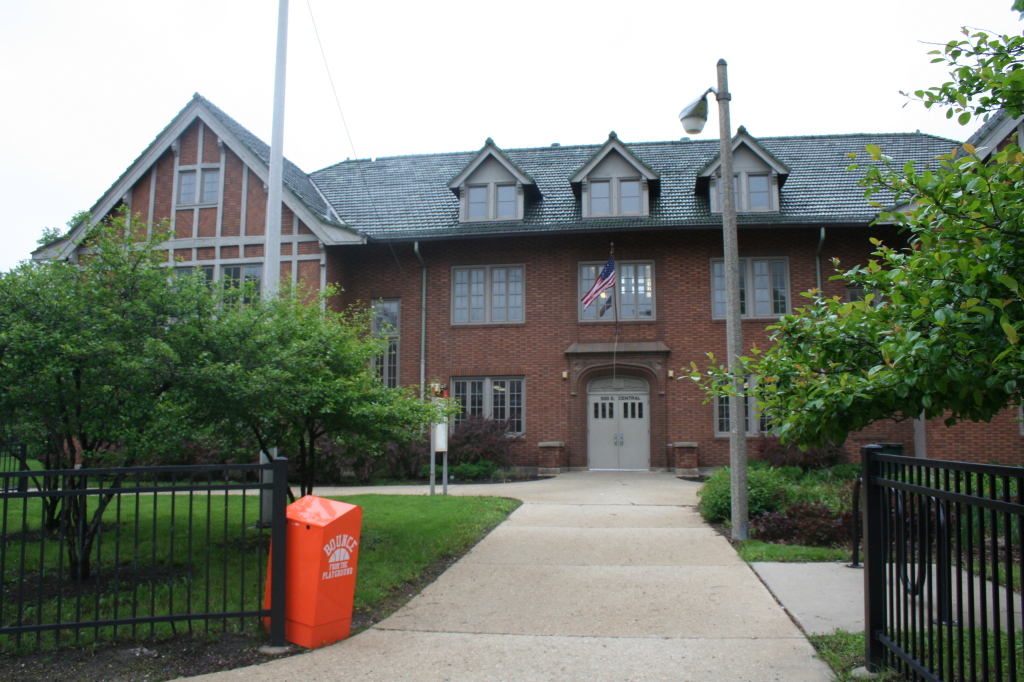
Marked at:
<point>309,278</point>
<point>183,223</point>
<point>140,196</point>
<point>164,187</point>
<point>207,222</point>
<point>536,349</point>
<point>256,207</point>
<point>287,220</point>
<point>188,151</point>
<point>231,221</point>
<point>983,443</point>
<point>211,152</point>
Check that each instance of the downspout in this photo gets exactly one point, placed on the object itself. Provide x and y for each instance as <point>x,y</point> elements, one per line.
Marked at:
<point>817,260</point>
<point>423,323</point>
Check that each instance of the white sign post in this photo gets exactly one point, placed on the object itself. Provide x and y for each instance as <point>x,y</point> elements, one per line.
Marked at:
<point>439,443</point>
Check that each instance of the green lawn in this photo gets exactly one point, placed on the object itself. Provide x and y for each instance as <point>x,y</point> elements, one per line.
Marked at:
<point>211,559</point>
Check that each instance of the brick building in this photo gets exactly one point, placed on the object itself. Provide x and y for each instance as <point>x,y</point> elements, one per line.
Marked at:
<point>478,261</point>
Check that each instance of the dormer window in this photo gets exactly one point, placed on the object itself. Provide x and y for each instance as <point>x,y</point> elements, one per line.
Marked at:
<point>617,196</point>
<point>757,177</point>
<point>492,187</point>
<point>753,192</point>
<point>614,182</point>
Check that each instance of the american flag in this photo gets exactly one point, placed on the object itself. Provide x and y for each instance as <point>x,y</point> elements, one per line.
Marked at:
<point>606,280</point>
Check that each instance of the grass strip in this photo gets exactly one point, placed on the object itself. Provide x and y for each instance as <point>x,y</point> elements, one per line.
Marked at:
<point>755,550</point>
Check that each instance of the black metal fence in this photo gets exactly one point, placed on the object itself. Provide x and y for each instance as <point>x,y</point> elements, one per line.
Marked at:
<point>93,555</point>
<point>14,457</point>
<point>943,543</point>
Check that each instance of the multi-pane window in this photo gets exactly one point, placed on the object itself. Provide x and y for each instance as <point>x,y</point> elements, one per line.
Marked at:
<point>499,398</point>
<point>769,293</point>
<point>187,187</point>
<point>600,197</point>
<point>492,293</point>
<point>757,192</point>
<point>751,192</point>
<point>754,423</point>
<point>492,202</point>
<point>204,271</point>
<point>614,197</point>
<point>386,326</point>
<point>211,185</point>
<point>629,196</point>
<point>205,193</point>
<point>478,202</point>
<point>635,292</point>
<point>506,201</point>
<point>233,277</point>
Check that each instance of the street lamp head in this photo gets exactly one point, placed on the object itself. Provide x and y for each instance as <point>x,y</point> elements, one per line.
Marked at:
<point>695,114</point>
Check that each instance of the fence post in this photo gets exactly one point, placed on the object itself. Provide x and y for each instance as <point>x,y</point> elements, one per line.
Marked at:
<point>874,557</point>
<point>279,539</point>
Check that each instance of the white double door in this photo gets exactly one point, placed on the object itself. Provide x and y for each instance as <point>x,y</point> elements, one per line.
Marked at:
<point>618,424</point>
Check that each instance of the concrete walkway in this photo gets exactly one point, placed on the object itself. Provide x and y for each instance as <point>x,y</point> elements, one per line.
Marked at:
<point>598,576</point>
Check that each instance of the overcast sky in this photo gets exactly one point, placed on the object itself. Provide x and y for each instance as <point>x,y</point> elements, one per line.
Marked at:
<point>87,86</point>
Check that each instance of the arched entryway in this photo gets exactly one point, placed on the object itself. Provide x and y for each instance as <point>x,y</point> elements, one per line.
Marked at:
<point>618,423</point>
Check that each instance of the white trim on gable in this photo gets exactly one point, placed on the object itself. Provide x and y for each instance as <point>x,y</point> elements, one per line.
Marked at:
<point>988,144</point>
<point>196,109</point>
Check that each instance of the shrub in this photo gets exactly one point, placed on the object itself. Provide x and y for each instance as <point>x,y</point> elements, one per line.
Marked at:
<point>477,439</point>
<point>765,493</point>
<point>810,524</point>
<point>846,472</point>
<point>773,451</point>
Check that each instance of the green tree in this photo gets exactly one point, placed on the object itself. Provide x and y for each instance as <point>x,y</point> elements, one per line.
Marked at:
<point>294,375</point>
<point>939,331</point>
<point>116,360</point>
<point>89,354</point>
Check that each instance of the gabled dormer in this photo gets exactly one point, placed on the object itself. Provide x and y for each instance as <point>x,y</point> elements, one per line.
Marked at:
<point>757,177</point>
<point>492,188</point>
<point>615,183</point>
<point>996,133</point>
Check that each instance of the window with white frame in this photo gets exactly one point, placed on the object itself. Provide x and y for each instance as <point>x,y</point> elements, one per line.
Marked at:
<point>386,325</point>
<point>204,271</point>
<point>487,294</point>
<point>615,196</point>
<point>498,398</point>
<point>635,288</point>
<point>764,287</point>
<point>755,423</point>
<point>198,187</point>
<point>493,201</point>
<point>249,276</point>
<point>752,192</point>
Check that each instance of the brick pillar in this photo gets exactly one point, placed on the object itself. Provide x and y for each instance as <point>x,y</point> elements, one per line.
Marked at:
<point>686,460</point>
<point>553,458</point>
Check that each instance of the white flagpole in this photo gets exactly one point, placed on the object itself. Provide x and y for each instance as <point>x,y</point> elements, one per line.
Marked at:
<point>272,248</point>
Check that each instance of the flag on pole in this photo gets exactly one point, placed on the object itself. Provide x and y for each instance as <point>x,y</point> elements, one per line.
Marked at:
<point>606,280</point>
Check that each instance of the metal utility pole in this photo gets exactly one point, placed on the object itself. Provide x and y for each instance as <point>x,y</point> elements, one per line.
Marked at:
<point>733,319</point>
<point>272,247</point>
<point>693,117</point>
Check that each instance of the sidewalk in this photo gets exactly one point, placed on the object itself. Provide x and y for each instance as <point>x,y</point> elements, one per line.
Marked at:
<point>598,576</point>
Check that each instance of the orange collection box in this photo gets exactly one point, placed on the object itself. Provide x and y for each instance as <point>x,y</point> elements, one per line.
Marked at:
<point>323,552</point>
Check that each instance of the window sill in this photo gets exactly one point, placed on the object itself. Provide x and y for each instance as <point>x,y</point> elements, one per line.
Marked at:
<point>746,318</point>
<point>208,204</point>
<point>650,320</point>
<point>462,325</point>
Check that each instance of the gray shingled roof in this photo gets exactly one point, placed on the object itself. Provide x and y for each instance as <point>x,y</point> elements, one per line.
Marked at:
<point>296,179</point>
<point>994,119</point>
<point>406,197</point>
